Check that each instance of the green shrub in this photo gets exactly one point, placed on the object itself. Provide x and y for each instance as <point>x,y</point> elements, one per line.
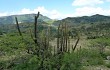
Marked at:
<point>91,57</point>
<point>108,65</point>
<point>71,61</point>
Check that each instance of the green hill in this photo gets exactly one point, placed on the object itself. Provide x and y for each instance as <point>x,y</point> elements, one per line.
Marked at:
<point>23,18</point>
<point>84,19</point>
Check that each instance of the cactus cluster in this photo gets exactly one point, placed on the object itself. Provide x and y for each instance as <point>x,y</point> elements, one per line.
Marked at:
<point>42,47</point>
<point>63,39</point>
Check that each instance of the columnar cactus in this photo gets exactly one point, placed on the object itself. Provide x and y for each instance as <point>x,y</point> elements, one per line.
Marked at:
<point>35,28</point>
<point>19,31</point>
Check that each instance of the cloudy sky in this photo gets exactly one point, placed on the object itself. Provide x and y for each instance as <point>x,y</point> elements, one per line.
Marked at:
<point>55,9</point>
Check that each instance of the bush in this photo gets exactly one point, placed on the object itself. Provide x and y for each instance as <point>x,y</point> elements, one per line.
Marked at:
<point>108,65</point>
<point>91,57</point>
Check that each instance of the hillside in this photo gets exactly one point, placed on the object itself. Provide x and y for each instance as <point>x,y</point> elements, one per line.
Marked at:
<point>80,47</point>
<point>22,18</point>
<point>84,19</point>
<point>29,18</point>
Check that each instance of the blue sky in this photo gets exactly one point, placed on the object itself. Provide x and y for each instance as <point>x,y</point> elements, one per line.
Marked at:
<point>55,9</point>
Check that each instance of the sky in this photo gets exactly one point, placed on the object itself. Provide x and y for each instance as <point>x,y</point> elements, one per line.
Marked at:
<point>55,9</point>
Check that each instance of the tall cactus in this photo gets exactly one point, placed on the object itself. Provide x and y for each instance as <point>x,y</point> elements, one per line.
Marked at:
<point>63,39</point>
<point>66,35</point>
<point>58,39</point>
<point>76,42</point>
<point>35,28</point>
<point>18,26</point>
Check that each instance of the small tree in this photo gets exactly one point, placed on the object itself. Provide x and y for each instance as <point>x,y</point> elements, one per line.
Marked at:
<point>101,44</point>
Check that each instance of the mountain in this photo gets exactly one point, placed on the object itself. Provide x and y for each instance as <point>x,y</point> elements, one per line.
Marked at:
<point>23,18</point>
<point>29,18</point>
<point>84,19</point>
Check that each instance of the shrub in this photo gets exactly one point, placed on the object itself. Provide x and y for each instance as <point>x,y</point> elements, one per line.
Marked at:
<point>108,65</point>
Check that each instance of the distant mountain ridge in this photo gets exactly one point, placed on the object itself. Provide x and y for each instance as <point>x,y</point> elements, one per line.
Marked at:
<point>29,18</point>
<point>22,18</point>
<point>84,19</point>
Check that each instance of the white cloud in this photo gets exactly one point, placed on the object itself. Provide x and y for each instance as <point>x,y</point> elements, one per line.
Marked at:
<point>86,2</point>
<point>25,11</point>
<point>91,11</point>
<point>88,7</point>
<point>3,14</point>
<point>54,14</point>
<point>41,9</point>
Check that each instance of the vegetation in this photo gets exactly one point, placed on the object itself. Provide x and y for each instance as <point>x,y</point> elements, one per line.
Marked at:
<point>40,46</point>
